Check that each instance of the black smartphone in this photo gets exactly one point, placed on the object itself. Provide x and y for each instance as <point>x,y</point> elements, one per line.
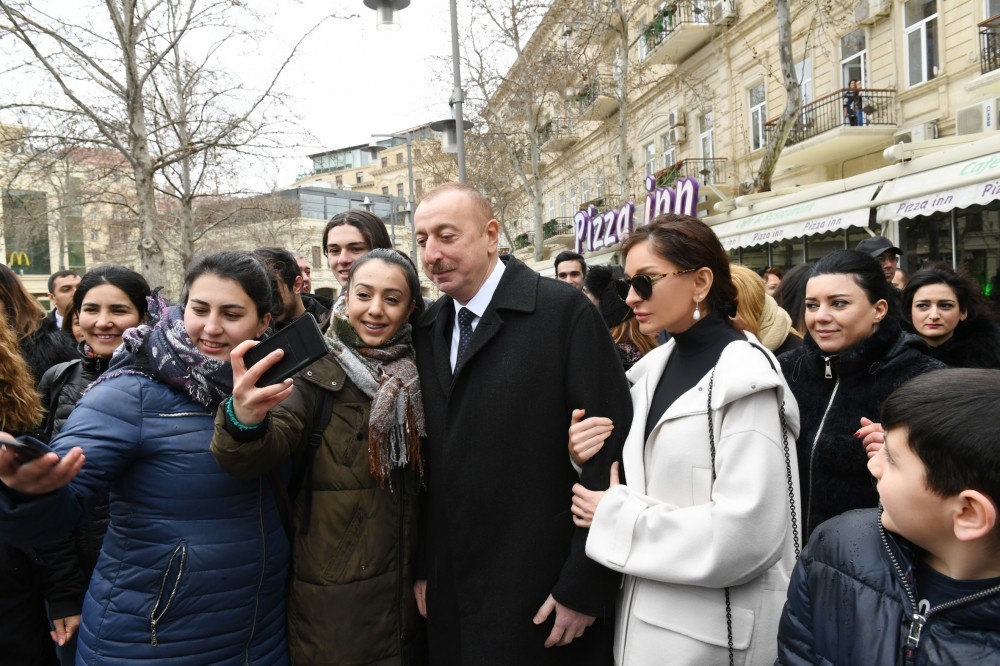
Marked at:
<point>303,344</point>
<point>26,448</point>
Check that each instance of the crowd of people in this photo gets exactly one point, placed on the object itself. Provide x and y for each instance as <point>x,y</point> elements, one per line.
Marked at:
<point>672,461</point>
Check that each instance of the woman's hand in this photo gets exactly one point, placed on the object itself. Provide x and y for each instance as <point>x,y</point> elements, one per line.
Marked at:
<point>250,403</point>
<point>41,475</point>
<point>63,629</point>
<point>586,436</point>
<point>872,436</point>
<point>585,501</point>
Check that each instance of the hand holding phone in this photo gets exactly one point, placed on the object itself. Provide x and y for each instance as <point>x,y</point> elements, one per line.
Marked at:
<point>302,343</point>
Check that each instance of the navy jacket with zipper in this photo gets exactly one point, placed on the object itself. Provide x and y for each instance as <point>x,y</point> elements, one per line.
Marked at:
<point>833,392</point>
<point>193,565</point>
<point>853,596</point>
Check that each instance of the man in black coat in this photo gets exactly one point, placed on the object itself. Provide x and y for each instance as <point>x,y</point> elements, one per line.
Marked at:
<point>503,568</point>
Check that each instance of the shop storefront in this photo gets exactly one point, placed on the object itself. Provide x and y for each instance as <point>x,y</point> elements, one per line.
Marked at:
<point>940,207</point>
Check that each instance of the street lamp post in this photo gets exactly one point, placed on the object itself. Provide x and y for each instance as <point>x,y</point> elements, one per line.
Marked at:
<point>410,202</point>
<point>457,94</point>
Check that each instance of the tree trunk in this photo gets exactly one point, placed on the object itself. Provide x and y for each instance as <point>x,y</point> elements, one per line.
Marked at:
<point>793,99</point>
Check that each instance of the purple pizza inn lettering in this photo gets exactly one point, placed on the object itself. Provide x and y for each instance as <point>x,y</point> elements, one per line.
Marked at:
<point>596,231</point>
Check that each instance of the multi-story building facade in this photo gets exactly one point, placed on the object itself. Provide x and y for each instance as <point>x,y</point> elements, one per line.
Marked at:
<point>694,88</point>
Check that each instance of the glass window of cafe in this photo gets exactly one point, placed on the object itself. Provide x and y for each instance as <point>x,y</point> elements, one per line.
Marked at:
<point>967,239</point>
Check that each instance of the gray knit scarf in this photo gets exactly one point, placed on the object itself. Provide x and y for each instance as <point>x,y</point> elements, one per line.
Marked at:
<point>388,375</point>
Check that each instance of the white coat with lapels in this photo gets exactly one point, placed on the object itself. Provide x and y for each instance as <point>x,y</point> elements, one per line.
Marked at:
<point>682,539</point>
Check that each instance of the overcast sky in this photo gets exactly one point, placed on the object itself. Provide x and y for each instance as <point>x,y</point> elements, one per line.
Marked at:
<point>351,80</point>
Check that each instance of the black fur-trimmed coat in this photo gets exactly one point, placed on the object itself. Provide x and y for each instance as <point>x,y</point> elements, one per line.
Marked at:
<point>833,465</point>
<point>975,344</point>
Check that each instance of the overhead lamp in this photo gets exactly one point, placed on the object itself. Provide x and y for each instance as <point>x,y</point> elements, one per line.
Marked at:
<point>449,137</point>
<point>387,12</point>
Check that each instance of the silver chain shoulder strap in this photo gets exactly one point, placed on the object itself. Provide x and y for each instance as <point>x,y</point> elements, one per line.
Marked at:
<point>788,478</point>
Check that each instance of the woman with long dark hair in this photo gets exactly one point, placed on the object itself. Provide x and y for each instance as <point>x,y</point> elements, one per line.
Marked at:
<point>703,526</point>
<point>352,423</point>
<point>855,355</point>
<point>108,301</point>
<point>193,565</point>
<point>945,309</point>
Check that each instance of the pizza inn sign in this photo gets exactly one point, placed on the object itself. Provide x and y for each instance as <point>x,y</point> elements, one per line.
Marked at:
<point>596,231</point>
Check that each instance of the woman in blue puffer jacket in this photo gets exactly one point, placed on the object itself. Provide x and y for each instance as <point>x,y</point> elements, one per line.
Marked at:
<point>193,565</point>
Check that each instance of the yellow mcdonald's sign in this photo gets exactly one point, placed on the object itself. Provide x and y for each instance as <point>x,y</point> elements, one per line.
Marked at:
<point>18,259</point>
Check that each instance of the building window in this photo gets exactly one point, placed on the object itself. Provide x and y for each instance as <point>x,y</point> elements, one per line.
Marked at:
<point>399,158</point>
<point>552,208</point>
<point>385,190</point>
<point>399,189</point>
<point>418,184</point>
<point>920,24</point>
<point>384,162</point>
<point>669,154</point>
<point>416,153</point>
<point>649,158</point>
<point>340,181</point>
<point>360,176</point>
<point>317,255</point>
<point>573,200</point>
<point>95,235</point>
<point>563,210</point>
<point>705,125</point>
<point>758,113</point>
<point>854,57</point>
<point>585,189</point>
<point>804,73</point>
<point>642,46</point>
<point>992,8</point>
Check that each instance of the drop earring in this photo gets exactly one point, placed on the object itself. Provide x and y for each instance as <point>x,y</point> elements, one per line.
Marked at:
<point>697,311</point>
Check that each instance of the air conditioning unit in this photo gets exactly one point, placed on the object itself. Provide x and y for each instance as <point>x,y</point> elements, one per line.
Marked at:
<point>675,135</point>
<point>723,12</point>
<point>867,12</point>
<point>981,117</point>
<point>922,132</point>
<point>675,118</point>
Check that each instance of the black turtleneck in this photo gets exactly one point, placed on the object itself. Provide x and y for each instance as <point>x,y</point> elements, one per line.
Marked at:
<point>696,352</point>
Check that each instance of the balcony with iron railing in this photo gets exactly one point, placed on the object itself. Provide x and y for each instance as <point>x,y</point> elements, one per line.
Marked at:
<point>677,30</point>
<point>558,134</point>
<point>706,170</point>
<point>839,125</point>
<point>597,99</point>
<point>989,45</point>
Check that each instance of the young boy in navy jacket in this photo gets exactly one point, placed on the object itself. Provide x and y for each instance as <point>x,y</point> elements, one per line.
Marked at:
<point>916,581</point>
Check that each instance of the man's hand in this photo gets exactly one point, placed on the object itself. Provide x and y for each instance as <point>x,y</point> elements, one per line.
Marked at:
<point>585,501</point>
<point>39,476</point>
<point>420,592</point>
<point>63,629</point>
<point>569,624</point>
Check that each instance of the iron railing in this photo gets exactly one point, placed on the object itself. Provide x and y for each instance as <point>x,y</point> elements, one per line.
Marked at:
<point>989,45</point>
<point>556,127</point>
<point>672,16</point>
<point>878,109</point>
<point>596,86</point>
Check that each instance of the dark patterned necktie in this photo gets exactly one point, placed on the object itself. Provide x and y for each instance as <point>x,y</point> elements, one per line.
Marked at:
<point>465,317</point>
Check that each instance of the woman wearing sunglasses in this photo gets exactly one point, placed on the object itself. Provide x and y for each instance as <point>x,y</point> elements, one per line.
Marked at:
<point>704,529</point>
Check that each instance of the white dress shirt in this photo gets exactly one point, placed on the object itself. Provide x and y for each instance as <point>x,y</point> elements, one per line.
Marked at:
<point>477,305</point>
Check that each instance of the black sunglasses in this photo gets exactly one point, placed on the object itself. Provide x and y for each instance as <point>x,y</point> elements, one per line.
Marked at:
<point>643,284</point>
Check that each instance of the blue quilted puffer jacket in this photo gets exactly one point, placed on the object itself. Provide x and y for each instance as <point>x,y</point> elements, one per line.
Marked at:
<point>194,563</point>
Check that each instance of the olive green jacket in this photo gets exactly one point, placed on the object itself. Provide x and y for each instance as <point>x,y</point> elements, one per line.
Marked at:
<point>351,591</point>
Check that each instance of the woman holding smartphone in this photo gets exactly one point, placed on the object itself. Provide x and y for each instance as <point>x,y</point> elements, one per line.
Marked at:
<point>192,568</point>
<point>351,422</point>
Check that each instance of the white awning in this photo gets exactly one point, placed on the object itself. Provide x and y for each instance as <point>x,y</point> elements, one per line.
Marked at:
<point>958,185</point>
<point>807,218</point>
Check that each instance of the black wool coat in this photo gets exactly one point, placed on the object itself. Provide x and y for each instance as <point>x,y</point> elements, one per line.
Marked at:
<point>833,465</point>
<point>496,530</point>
